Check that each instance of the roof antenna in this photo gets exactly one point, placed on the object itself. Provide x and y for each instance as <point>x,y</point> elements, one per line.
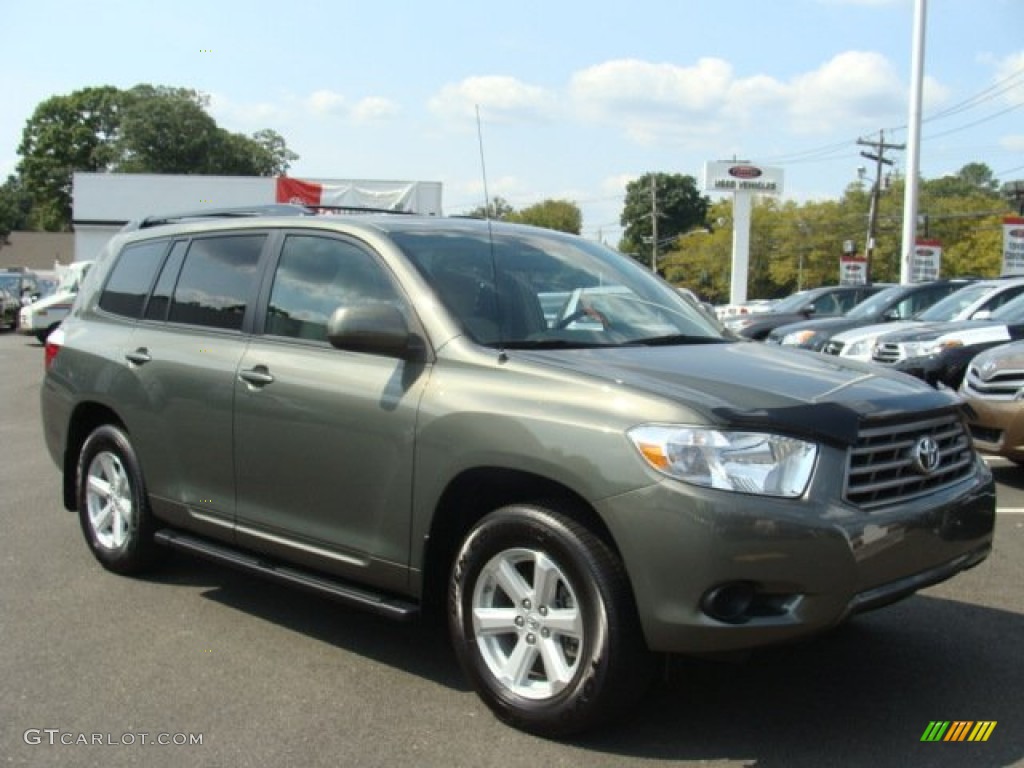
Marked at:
<point>502,357</point>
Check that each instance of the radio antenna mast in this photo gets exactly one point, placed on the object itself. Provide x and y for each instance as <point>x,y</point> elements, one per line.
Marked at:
<point>483,164</point>
<point>502,357</point>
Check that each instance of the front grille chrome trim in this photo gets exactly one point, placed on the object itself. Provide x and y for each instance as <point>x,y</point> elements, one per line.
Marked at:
<point>882,471</point>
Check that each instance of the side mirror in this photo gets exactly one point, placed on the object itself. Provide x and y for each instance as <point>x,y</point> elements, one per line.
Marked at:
<point>808,310</point>
<point>891,315</point>
<point>378,329</point>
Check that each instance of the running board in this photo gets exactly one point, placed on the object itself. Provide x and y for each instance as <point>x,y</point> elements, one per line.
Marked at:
<point>380,604</point>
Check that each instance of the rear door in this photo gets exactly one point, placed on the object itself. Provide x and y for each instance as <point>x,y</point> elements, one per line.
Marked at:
<point>185,353</point>
<point>323,439</point>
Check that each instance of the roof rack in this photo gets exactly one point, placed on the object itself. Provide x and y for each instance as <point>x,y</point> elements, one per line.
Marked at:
<point>278,209</point>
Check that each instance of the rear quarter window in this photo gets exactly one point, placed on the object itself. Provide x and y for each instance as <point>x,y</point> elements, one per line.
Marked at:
<point>131,278</point>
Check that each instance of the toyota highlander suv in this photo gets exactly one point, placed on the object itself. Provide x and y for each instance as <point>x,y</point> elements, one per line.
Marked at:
<point>378,408</point>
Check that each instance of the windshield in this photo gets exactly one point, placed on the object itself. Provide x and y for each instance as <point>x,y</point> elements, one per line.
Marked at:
<point>791,303</point>
<point>950,307</point>
<point>876,304</point>
<point>537,288</point>
<point>10,283</point>
<point>69,280</point>
<point>1010,312</point>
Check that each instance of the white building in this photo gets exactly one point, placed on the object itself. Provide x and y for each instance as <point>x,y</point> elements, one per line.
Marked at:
<point>102,203</point>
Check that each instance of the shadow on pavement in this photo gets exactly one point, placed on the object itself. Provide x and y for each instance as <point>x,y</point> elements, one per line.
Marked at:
<point>861,695</point>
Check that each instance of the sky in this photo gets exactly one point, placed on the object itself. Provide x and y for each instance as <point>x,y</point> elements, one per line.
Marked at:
<point>575,99</point>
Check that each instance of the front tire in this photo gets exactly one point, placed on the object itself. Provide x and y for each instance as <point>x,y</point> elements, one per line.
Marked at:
<point>543,622</point>
<point>112,505</point>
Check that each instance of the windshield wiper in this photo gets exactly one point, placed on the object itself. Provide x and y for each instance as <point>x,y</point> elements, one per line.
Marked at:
<point>678,338</point>
<point>553,344</point>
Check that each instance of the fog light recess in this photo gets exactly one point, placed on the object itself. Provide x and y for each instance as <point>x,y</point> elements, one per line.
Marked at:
<point>729,603</point>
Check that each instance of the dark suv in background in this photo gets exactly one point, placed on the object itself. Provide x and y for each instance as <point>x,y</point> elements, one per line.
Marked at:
<point>378,408</point>
<point>897,302</point>
<point>825,301</point>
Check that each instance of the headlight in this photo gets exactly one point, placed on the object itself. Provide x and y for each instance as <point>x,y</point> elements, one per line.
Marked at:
<point>926,348</point>
<point>860,348</point>
<point>797,338</point>
<point>748,462</point>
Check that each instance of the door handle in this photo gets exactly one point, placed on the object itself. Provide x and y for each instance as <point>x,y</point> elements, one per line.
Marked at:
<point>139,356</point>
<point>258,376</point>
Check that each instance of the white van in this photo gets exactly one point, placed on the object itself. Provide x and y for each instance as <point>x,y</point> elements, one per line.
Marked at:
<point>42,316</point>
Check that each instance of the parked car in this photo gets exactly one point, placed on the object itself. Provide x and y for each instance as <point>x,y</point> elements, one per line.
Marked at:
<point>994,392</point>
<point>899,302</point>
<point>826,301</point>
<point>21,284</point>
<point>939,352</point>
<point>376,408</point>
<point>9,306</point>
<point>42,316</point>
<point>976,301</point>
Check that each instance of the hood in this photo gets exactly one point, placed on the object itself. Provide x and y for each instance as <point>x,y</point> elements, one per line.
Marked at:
<point>53,300</point>
<point>930,331</point>
<point>867,331</point>
<point>753,386</point>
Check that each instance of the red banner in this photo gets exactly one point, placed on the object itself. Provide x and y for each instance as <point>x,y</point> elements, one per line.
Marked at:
<point>298,191</point>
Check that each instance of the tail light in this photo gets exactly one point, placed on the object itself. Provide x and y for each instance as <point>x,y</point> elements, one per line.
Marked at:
<point>54,342</point>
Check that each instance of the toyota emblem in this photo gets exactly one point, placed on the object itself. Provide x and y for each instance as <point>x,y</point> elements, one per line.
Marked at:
<point>926,455</point>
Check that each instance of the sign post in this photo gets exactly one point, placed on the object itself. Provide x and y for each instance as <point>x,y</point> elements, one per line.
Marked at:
<point>743,180</point>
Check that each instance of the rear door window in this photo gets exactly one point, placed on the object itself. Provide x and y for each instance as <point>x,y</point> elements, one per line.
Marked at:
<point>217,281</point>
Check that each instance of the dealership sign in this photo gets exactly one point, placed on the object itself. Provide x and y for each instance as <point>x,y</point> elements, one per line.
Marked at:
<point>1013,245</point>
<point>926,261</point>
<point>742,177</point>
<point>853,269</point>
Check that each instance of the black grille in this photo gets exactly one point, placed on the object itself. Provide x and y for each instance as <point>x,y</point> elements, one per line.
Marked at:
<point>882,469</point>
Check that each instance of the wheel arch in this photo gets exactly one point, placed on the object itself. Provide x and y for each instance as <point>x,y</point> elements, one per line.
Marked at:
<point>84,419</point>
<point>474,493</point>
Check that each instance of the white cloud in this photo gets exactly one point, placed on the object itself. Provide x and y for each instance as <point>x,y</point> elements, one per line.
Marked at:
<point>500,99</point>
<point>374,108</point>
<point>855,88</point>
<point>1008,73</point>
<point>697,104</point>
<point>250,116</point>
<point>1013,143</point>
<point>324,102</point>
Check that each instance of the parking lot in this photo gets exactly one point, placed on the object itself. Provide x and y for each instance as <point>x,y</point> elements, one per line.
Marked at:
<point>201,666</point>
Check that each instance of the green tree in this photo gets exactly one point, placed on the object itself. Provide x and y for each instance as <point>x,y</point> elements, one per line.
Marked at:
<point>146,129</point>
<point>15,207</point>
<point>680,209</point>
<point>166,130</point>
<point>75,132</point>
<point>563,215</point>
<point>499,209</point>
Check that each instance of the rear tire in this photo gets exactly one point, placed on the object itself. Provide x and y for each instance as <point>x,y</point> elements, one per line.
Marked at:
<point>112,505</point>
<point>543,622</point>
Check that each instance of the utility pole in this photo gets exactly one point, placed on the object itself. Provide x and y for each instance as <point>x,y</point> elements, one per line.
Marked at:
<point>654,223</point>
<point>876,189</point>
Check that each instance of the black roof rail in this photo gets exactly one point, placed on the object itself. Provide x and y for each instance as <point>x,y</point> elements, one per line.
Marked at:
<point>277,209</point>
<point>282,209</point>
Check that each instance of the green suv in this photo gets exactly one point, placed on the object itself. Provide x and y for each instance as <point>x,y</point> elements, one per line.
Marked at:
<point>518,426</point>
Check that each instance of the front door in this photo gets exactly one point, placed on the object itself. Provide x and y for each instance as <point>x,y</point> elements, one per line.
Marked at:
<point>323,438</point>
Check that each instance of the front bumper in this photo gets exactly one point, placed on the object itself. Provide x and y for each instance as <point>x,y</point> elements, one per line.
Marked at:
<point>804,565</point>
